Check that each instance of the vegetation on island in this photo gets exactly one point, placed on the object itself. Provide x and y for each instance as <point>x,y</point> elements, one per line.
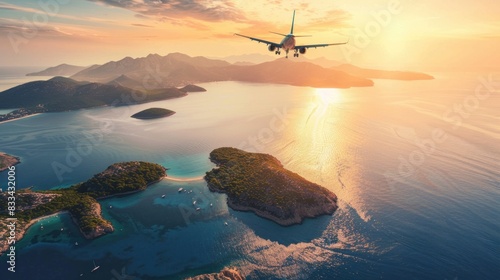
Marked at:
<point>259,183</point>
<point>80,200</point>
<point>153,113</point>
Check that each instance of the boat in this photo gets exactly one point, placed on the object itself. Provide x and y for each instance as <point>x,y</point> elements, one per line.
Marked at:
<point>211,204</point>
<point>225,223</point>
<point>163,196</point>
<point>96,267</point>
<point>180,189</point>
<point>194,202</point>
<point>111,206</point>
<point>76,243</point>
<point>198,209</point>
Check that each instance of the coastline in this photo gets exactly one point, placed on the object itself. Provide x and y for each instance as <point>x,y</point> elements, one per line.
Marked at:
<point>22,228</point>
<point>16,119</point>
<point>7,160</point>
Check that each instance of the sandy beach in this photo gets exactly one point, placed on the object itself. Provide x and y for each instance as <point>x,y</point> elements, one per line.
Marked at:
<point>192,179</point>
<point>29,116</point>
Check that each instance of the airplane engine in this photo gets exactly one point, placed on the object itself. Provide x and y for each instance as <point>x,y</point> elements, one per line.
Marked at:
<point>271,48</point>
<point>302,50</point>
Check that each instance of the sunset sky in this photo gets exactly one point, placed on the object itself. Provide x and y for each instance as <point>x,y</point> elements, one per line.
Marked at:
<point>408,34</point>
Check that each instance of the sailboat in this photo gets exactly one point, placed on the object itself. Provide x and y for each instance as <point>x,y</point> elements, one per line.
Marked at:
<point>95,267</point>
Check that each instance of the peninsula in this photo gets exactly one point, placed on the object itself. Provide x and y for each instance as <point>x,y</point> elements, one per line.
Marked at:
<point>7,160</point>
<point>61,94</point>
<point>153,113</point>
<point>259,183</point>
<point>79,200</point>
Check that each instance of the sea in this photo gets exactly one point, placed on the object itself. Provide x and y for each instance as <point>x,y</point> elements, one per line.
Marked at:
<point>415,166</point>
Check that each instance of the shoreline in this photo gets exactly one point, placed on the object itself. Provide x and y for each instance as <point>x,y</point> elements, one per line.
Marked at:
<point>21,229</point>
<point>16,119</point>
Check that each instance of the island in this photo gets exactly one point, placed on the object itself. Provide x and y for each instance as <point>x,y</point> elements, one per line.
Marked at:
<point>259,183</point>
<point>192,88</point>
<point>7,160</point>
<point>227,273</point>
<point>80,200</point>
<point>153,113</point>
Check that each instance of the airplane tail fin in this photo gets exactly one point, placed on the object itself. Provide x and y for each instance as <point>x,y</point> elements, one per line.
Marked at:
<point>293,20</point>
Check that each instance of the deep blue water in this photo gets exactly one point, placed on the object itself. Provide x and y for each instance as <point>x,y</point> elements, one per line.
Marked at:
<point>411,207</point>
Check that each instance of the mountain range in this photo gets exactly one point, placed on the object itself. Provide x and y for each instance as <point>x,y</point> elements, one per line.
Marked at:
<point>176,69</point>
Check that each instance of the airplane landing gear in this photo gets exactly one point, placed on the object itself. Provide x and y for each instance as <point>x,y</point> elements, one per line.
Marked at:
<point>277,52</point>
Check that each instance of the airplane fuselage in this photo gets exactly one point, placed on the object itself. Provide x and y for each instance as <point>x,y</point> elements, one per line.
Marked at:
<point>288,43</point>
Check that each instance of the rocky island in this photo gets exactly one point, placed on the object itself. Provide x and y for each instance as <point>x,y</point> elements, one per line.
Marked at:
<point>79,200</point>
<point>7,160</point>
<point>259,183</point>
<point>153,113</point>
<point>225,274</point>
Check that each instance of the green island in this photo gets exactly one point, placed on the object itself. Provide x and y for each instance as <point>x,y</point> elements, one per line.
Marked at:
<point>153,113</point>
<point>259,183</point>
<point>7,160</point>
<point>80,200</point>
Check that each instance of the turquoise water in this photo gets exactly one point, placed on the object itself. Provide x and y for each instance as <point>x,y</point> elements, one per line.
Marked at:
<point>409,208</point>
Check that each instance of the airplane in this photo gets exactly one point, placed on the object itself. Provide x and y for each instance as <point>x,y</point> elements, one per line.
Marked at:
<point>288,43</point>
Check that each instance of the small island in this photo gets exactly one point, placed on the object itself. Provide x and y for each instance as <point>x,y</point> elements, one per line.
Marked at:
<point>79,200</point>
<point>227,273</point>
<point>259,183</point>
<point>153,113</point>
<point>7,160</point>
<point>192,88</point>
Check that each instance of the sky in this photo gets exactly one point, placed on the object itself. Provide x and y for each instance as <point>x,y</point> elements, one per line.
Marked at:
<point>389,34</point>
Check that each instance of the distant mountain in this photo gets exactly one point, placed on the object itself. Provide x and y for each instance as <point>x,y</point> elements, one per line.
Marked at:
<point>155,71</point>
<point>64,94</point>
<point>192,88</point>
<point>254,58</point>
<point>59,70</point>
<point>286,71</point>
<point>382,74</point>
<point>125,81</point>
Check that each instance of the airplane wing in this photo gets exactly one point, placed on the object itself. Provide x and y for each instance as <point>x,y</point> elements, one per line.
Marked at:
<point>259,40</point>
<point>319,45</point>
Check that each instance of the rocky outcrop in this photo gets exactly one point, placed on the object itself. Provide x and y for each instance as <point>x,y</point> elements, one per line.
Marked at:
<point>225,274</point>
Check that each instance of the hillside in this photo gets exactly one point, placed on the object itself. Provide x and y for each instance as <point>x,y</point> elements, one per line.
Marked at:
<point>64,94</point>
<point>259,183</point>
<point>59,70</point>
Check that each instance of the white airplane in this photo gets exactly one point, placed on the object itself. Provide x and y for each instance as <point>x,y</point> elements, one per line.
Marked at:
<point>288,43</point>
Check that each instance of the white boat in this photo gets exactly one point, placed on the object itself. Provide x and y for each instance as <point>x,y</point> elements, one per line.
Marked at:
<point>225,223</point>
<point>211,204</point>
<point>198,209</point>
<point>194,202</point>
<point>163,196</point>
<point>180,189</point>
<point>76,243</point>
<point>96,267</point>
<point>111,206</point>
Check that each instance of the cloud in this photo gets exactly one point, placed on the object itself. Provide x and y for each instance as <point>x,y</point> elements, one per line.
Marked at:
<point>141,25</point>
<point>204,10</point>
